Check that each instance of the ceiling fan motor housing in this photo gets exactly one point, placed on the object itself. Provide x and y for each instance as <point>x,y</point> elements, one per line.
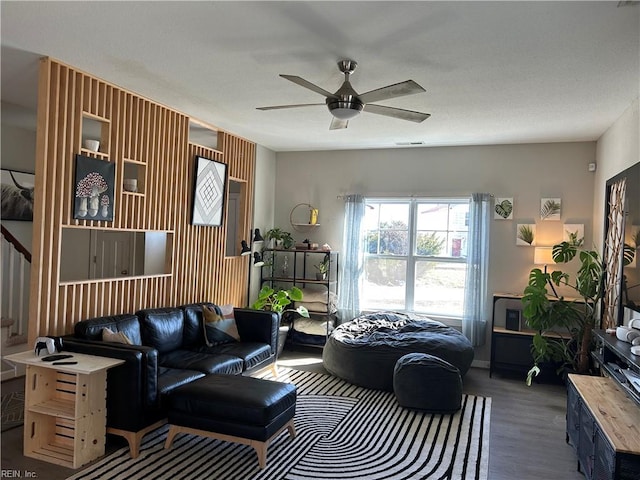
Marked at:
<point>345,104</point>
<point>344,109</point>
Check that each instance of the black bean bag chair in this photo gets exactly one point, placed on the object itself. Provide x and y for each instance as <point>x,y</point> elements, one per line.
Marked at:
<point>365,350</point>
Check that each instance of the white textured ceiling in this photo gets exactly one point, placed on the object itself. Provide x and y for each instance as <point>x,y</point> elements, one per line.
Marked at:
<point>495,72</point>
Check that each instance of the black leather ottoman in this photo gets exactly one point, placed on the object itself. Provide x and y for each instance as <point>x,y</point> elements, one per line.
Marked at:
<point>233,408</point>
<point>427,383</point>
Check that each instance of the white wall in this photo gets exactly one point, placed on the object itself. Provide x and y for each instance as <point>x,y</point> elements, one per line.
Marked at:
<point>617,149</point>
<point>525,172</point>
<point>263,206</point>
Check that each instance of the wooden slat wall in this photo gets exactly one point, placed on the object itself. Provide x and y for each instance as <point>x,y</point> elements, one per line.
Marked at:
<point>154,139</point>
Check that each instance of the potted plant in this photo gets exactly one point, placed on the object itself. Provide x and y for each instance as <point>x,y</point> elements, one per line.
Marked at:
<point>545,311</point>
<point>280,238</point>
<point>276,301</point>
<point>323,268</point>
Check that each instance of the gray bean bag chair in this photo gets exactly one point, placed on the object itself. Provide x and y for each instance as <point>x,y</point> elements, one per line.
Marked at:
<point>365,350</point>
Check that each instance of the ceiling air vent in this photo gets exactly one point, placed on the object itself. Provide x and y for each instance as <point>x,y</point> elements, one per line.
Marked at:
<point>409,144</point>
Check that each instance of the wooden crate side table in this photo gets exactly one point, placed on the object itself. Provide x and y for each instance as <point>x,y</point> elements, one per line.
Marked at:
<point>65,408</point>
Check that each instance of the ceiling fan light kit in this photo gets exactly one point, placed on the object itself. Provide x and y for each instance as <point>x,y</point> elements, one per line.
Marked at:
<point>346,103</point>
<point>344,110</point>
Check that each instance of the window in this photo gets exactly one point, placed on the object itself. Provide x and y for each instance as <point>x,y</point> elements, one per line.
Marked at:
<point>415,255</point>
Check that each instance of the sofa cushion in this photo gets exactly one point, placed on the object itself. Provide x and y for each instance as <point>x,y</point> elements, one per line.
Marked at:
<point>109,335</point>
<point>251,353</point>
<point>202,362</point>
<point>220,329</point>
<point>91,329</point>
<point>170,378</point>
<point>162,328</point>
<point>232,400</point>
<point>194,334</point>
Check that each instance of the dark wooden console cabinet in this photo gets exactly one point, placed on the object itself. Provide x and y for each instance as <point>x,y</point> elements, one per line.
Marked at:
<point>511,340</point>
<point>603,426</point>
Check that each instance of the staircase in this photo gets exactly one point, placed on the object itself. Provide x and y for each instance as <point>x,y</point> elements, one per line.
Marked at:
<point>14,279</point>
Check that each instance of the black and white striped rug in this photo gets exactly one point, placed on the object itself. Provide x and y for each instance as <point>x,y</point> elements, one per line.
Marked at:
<point>12,413</point>
<point>343,432</point>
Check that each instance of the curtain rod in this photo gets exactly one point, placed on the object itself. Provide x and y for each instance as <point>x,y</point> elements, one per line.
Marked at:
<point>391,195</point>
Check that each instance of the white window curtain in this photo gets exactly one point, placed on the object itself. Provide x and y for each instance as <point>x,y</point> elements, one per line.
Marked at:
<point>475,315</point>
<point>351,260</point>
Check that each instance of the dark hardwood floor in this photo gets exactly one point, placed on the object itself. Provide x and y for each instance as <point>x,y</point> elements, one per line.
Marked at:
<point>527,438</point>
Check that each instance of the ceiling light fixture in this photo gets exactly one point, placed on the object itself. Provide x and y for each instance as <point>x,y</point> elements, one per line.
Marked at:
<point>344,110</point>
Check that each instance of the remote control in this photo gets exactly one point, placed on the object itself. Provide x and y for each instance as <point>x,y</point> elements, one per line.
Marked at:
<point>53,358</point>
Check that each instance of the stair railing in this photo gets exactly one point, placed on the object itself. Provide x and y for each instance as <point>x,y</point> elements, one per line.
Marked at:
<point>15,272</point>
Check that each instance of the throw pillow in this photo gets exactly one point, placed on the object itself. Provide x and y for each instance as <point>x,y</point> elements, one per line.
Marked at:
<point>109,335</point>
<point>219,329</point>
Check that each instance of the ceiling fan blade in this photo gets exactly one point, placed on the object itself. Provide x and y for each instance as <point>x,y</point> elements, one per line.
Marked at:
<point>306,84</point>
<point>408,87</point>
<point>337,124</point>
<point>397,113</point>
<point>279,107</point>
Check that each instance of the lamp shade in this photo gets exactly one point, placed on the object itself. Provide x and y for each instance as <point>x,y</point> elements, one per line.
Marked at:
<point>256,236</point>
<point>257,260</point>
<point>543,256</point>
<point>245,250</point>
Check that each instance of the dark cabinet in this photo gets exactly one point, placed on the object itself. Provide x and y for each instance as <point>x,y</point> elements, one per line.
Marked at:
<point>511,340</point>
<point>603,426</point>
<point>573,415</point>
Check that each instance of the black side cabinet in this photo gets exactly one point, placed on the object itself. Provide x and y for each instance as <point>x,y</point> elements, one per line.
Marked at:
<point>603,426</point>
<point>511,340</point>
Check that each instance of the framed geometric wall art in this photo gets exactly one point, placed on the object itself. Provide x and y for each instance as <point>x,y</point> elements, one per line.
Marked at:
<point>93,189</point>
<point>210,181</point>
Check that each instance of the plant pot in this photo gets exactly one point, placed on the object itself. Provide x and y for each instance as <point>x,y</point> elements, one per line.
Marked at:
<point>321,276</point>
<point>283,332</point>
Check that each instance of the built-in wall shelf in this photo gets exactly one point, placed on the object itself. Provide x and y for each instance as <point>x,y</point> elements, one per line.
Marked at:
<point>95,127</point>
<point>90,153</point>
<point>134,170</point>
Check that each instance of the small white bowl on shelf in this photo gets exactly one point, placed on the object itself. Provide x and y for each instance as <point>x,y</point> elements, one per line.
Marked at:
<point>93,145</point>
<point>130,184</point>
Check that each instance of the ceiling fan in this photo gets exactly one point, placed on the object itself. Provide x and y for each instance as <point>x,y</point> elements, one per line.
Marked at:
<point>346,103</point>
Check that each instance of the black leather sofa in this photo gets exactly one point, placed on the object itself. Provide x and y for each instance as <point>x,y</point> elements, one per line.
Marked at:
<point>169,349</point>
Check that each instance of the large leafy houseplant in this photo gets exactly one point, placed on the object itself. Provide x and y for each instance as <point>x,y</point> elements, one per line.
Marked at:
<point>547,312</point>
<point>277,300</point>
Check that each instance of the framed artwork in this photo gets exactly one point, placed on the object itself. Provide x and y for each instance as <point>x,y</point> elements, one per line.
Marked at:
<point>550,208</point>
<point>17,195</point>
<point>210,181</point>
<point>573,233</point>
<point>94,189</point>
<point>526,234</point>
<point>503,209</point>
